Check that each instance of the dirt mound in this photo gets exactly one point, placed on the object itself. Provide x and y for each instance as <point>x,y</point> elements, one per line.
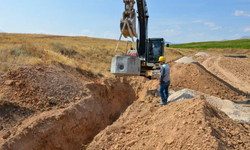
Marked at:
<point>233,110</point>
<point>189,124</point>
<point>186,60</point>
<point>196,77</point>
<point>239,69</point>
<point>42,88</point>
<point>232,70</point>
<point>201,54</point>
<point>11,115</point>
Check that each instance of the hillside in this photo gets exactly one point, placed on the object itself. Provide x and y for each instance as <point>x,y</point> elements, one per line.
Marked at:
<point>91,54</point>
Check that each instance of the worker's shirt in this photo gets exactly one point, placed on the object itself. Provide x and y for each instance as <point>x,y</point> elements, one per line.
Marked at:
<point>164,73</point>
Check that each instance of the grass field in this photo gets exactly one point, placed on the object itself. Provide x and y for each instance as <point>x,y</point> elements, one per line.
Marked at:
<point>233,44</point>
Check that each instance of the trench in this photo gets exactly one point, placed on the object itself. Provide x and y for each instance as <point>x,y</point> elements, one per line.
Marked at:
<point>75,126</point>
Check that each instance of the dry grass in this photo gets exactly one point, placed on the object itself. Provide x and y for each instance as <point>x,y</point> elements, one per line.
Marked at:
<point>174,53</point>
<point>91,54</point>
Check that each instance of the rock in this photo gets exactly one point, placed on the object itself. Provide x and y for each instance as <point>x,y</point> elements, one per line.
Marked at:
<point>128,132</point>
<point>199,122</point>
<point>169,140</point>
<point>9,82</point>
<point>77,98</point>
<point>40,103</point>
<point>117,146</point>
<point>6,135</point>
<point>184,122</point>
<point>47,105</point>
<point>234,133</point>
<point>131,143</point>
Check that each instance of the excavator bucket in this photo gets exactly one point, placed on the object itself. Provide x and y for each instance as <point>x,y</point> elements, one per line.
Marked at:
<point>130,15</point>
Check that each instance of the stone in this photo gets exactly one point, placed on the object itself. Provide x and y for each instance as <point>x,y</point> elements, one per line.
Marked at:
<point>40,103</point>
<point>128,132</point>
<point>9,82</point>
<point>169,140</point>
<point>6,135</point>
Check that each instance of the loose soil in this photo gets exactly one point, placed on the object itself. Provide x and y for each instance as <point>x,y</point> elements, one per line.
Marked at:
<point>189,124</point>
<point>61,107</point>
<point>42,88</point>
<point>235,71</point>
<point>195,76</point>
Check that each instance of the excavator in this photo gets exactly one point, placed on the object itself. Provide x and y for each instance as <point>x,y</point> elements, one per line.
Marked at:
<point>148,50</point>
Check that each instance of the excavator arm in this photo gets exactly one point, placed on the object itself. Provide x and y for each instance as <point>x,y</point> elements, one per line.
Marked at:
<point>143,16</point>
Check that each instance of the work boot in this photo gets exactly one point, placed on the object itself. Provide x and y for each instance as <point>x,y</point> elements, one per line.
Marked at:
<point>162,103</point>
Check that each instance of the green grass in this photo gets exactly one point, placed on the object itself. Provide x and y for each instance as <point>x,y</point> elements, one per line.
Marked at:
<point>233,44</point>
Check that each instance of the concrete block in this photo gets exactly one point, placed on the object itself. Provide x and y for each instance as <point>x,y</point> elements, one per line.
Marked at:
<point>125,65</point>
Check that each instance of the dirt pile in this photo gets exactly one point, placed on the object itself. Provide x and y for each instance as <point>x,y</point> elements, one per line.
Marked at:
<point>233,110</point>
<point>196,77</point>
<point>202,54</point>
<point>186,60</point>
<point>189,124</point>
<point>238,67</point>
<point>42,88</point>
<point>232,70</point>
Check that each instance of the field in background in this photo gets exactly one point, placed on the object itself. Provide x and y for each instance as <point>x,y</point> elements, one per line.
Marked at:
<point>91,54</point>
<point>234,44</point>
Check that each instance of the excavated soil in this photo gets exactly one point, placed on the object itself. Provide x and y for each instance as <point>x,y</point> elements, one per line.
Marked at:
<point>60,107</point>
<point>195,76</point>
<point>189,124</point>
<point>234,71</point>
<point>42,88</point>
<point>46,105</point>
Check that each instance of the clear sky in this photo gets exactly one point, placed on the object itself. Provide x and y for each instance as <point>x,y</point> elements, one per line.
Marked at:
<point>178,21</point>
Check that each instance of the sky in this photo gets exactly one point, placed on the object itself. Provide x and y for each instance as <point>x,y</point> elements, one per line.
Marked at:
<point>177,21</point>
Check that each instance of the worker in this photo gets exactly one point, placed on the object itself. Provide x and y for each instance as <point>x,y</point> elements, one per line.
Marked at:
<point>164,81</point>
<point>156,49</point>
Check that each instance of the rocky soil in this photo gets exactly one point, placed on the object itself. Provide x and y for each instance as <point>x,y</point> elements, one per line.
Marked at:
<point>189,124</point>
<point>61,107</point>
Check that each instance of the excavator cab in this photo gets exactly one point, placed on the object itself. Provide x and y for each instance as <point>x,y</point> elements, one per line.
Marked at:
<point>155,49</point>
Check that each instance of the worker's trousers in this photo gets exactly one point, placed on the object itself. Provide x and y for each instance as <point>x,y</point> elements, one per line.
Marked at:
<point>164,91</point>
